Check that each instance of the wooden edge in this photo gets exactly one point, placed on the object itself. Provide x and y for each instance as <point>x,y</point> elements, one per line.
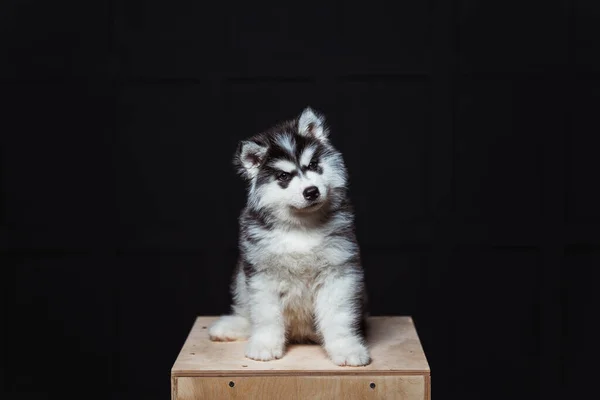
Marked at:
<point>428,387</point>
<point>174,388</point>
<point>368,372</point>
<point>187,337</point>
<point>420,342</point>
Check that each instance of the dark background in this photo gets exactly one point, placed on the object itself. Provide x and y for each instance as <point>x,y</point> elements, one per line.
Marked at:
<point>468,128</point>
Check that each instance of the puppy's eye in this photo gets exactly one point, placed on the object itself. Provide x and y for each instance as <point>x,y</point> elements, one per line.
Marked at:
<point>313,165</point>
<point>283,176</point>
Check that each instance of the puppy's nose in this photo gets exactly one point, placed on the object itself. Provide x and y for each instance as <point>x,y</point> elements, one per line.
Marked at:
<point>311,193</point>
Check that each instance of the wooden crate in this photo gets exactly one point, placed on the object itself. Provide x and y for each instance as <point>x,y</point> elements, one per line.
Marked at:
<point>219,370</point>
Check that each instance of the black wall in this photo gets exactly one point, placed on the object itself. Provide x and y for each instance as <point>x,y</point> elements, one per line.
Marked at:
<point>468,128</point>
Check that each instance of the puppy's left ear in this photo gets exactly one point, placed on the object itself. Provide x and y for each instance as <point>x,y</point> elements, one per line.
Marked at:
<point>248,157</point>
<point>312,124</point>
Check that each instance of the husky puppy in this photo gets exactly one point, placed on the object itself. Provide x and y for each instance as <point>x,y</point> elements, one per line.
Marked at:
<point>299,276</point>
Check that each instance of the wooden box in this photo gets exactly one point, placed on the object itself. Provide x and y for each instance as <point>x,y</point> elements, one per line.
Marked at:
<point>219,370</point>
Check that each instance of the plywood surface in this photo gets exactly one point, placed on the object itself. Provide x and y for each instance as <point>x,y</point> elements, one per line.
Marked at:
<point>393,342</point>
<point>302,387</point>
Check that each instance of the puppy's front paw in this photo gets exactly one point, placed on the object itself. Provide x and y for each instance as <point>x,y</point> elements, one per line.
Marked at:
<point>229,328</point>
<point>264,348</point>
<point>349,354</point>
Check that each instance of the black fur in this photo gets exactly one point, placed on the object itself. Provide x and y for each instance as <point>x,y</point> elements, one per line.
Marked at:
<point>261,220</point>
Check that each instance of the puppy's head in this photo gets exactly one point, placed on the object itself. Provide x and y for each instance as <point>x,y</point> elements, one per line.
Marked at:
<point>291,168</point>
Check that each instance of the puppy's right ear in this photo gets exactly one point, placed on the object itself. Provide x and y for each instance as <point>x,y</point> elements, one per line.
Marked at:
<point>248,157</point>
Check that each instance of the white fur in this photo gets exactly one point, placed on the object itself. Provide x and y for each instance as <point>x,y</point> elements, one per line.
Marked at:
<point>307,155</point>
<point>302,277</point>
<point>286,142</point>
<point>266,313</point>
<point>251,151</point>
<point>274,197</point>
<point>303,285</point>
<point>310,123</point>
<point>330,175</point>
<point>333,316</point>
<point>298,281</point>
<point>284,165</point>
<point>300,249</point>
<point>230,328</point>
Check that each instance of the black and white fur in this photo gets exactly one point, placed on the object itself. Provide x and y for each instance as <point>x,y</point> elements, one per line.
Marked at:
<point>299,277</point>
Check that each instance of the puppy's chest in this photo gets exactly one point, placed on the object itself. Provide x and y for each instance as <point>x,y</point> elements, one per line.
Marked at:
<point>296,252</point>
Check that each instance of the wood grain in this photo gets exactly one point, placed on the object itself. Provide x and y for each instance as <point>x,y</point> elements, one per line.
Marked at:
<point>393,342</point>
<point>299,387</point>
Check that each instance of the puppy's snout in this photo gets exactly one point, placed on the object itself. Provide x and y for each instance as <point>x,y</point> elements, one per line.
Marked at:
<point>311,193</point>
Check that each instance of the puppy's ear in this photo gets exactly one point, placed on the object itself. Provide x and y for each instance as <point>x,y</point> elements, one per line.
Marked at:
<point>312,124</point>
<point>248,157</point>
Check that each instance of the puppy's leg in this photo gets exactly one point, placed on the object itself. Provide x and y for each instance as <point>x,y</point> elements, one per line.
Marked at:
<point>229,328</point>
<point>338,316</point>
<point>267,340</point>
<point>236,326</point>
